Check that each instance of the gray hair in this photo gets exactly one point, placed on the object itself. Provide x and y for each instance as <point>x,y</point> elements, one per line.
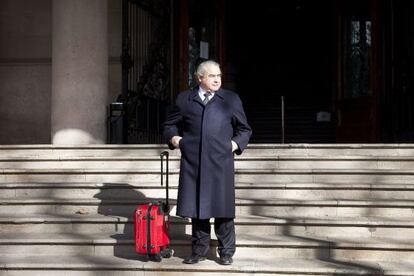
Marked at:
<point>202,67</point>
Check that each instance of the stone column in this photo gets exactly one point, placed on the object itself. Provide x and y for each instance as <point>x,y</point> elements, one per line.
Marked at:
<point>79,71</point>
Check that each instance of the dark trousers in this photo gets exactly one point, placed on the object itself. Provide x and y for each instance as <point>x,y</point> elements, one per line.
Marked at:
<point>224,229</point>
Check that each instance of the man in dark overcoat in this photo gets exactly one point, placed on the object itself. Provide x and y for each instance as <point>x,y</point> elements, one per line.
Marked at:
<point>208,125</point>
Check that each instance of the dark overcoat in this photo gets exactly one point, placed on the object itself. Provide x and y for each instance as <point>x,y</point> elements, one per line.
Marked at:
<point>206,184</point>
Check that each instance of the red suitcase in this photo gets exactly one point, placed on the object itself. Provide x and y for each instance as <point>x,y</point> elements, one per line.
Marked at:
<point>152,223</point>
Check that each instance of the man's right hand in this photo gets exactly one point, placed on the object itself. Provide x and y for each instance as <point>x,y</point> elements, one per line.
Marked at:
<point>175,141</point>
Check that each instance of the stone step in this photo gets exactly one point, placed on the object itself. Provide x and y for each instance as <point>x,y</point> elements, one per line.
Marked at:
<point>253,150</point>
<point>329,150</point>
<point>259,191</point>
<point>282,207</point>
<point>270,246</point>
<point>81,151</point>
<point>323,203</point>
<point>378,176</point>
<point>362,227</point>
<point>248,162</point>
<point>85,265</point>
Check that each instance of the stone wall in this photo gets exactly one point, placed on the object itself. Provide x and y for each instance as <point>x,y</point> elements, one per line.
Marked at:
<point>25,71</point>
<point>25,68</point>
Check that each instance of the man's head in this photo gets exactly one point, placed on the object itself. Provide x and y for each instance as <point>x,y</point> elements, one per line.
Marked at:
<point>209,75</point>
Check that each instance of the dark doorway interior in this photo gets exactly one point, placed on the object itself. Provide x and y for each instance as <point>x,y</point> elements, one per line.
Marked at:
<point>398,103</point>
<point>284,48</point>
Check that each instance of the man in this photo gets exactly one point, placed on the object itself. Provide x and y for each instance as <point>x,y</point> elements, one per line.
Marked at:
<point>208,124</point>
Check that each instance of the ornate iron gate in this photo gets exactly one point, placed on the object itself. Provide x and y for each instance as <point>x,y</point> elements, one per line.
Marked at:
<point>145,68</point>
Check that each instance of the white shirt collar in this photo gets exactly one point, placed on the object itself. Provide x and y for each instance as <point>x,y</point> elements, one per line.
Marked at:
<point>201,93</point>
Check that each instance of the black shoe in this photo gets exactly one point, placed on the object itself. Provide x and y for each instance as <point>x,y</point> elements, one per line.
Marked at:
<point>225,260</point>
<point>193,259</point>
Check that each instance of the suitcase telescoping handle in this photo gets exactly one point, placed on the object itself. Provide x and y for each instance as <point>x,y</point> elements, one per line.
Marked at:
<point>166,155</point>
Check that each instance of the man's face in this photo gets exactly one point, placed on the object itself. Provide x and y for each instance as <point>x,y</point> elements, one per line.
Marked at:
<point>211,81</point>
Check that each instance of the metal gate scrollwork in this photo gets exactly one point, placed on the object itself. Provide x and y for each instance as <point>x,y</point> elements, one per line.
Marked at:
<point>145,69</point>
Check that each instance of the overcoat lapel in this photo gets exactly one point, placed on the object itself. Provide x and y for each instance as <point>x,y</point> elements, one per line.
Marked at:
<point>217,95</point>
<point>195,97</point>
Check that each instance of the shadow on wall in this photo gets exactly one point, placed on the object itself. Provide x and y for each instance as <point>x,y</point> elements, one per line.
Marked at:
<point>119,201</point>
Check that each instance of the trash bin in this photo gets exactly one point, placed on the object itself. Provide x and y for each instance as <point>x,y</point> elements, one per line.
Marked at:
<point>116,123</point>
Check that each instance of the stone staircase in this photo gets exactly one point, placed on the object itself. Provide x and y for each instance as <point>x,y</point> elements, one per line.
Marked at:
<point>302,209</point>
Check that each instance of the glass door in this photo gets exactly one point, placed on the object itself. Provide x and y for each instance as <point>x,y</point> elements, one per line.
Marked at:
<point>201,37</point>
<point>358,70</point>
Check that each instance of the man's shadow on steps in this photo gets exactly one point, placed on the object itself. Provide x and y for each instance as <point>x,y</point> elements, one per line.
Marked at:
<point>119,202</point>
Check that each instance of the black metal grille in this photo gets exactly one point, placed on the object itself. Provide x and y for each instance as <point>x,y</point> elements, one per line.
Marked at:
<point>145,69</point>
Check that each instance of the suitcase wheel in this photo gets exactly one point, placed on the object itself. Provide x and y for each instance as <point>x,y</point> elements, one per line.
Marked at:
<point>167,253</point>
<point>155,257</point>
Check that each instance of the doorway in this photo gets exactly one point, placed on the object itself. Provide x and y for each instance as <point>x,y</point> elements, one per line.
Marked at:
<point>281,59</point>
<point>308,71</point>
<point>358,85</point>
